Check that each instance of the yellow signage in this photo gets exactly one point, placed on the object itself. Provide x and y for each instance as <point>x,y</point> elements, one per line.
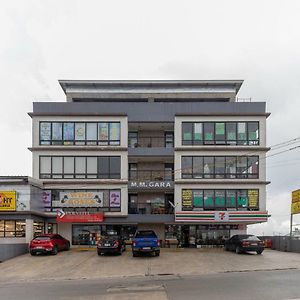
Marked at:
<point>7,201</point>
<point>187,197</point>
<point>253,198</point>
<point>295,206</point>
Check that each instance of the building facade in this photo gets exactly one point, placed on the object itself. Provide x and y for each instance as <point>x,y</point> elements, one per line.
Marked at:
<point>184,158</point>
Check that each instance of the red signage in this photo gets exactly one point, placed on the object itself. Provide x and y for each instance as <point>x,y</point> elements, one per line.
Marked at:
<point>79,217</point>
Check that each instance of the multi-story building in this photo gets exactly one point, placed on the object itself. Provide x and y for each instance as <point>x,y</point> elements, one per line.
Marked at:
<point>184,158</point>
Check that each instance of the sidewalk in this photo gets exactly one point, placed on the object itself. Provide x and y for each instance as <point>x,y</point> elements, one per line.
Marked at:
<point>76,264</point>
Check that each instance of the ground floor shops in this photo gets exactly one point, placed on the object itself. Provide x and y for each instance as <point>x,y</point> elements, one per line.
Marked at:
<point>171,235</point>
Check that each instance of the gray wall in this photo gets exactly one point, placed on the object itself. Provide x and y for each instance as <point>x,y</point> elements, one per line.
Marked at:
<point>11,250</point>
<point>285,243</point>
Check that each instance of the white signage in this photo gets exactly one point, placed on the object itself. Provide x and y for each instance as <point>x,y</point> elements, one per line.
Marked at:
<point>221,216</point>
<point>151,184</point>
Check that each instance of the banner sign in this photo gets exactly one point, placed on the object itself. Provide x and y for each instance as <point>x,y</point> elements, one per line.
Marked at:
<point>79,217</point>
<point>295,205</point>
<point>187,198</point>
<point>7,201</point>
<point>151,185</point>
<point>79,199</point>
<point>221,216</point>
<point>253,198</point>
<point>114,199</point>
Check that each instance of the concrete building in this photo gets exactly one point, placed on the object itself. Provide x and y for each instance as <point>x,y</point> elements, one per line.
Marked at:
<point>184,158</point>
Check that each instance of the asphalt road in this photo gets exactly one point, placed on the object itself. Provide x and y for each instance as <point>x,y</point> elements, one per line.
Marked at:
<point>276,284</point>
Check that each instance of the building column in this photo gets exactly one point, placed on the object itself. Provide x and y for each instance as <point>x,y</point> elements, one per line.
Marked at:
<point>29,230</point>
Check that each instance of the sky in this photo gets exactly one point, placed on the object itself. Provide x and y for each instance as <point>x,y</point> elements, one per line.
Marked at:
<point>257,41</point>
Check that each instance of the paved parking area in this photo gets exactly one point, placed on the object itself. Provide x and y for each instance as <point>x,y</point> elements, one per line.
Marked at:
<point>76,264</point>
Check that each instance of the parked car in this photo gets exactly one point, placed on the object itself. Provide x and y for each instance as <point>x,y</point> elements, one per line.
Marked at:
<point>145,241</point>
<point>111,242</point>
<point>244,242</point>
<point>48,243</point>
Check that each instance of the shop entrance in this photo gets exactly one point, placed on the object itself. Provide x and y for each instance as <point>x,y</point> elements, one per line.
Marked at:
<point>192,236</point>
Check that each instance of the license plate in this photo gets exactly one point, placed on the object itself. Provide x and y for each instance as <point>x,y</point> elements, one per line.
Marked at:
<point>106,245</point>
<point>254,244</point>
<point>146,248</point>
<point>39,247</point>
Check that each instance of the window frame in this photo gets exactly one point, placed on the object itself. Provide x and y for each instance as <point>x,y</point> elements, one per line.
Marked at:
<point>15,233</point>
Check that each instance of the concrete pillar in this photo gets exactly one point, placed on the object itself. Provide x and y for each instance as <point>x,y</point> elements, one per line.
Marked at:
<point>29,230</point>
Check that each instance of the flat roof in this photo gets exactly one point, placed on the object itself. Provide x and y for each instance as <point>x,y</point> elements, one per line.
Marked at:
<point>187,85</point>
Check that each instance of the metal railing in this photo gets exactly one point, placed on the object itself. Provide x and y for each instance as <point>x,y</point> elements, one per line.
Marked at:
<point>150,142</point>
<point>151,175</point>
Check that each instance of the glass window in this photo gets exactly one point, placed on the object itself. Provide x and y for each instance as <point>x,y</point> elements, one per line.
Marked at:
<point>220,198</point>
<point>79,133</point>
<point>115,167</point>
<point>208,167</point>
<point>10,228</point>
<point>68,167</point>
<point>169,137</point>
<point>45,166</point>
<point>68,133</point>
<point>56,133</point>
<point>252,167</point>
<point>114,134</point>
<point>198,198</point>
<point>230,167</point>
<point>80,168</point>
<point>1,225</point>
<point>208,199</point>
<point>91,166</point>
<point>242,137</point>
<point>230,199</point>
<point>57,167</point>
<point>219,167</point>
<point>231,133</point>
<point>91,133</point>
<point>209,133</point>
<point>197,167</point>
<point>198,134</point>
<point>242,199</point>
<point>45,133</point>
<point>253,133</point>
<point>220,133</point>
<point>186,166</point>
<point>187,133</point>
<point>241,167</point>
<point>132,139</point>
<point>103,167</point>
<point>103,133</point>
<point>20,228</point>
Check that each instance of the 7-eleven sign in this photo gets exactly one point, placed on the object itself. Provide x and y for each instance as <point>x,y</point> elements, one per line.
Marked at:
<point>221,216</point>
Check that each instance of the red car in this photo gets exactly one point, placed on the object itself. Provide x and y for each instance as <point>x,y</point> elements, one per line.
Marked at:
<point>48,243</point>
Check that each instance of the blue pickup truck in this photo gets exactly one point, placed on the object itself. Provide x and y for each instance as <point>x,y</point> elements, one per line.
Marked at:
<point>145,241</point>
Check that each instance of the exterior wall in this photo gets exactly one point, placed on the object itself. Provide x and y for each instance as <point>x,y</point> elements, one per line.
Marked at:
<point>11,250</point>
<point>180,119</point>
<point>179,187</point>
<point>122,120</point>
<point>65,229</point>
<point>158,228</point>
<point>22,195</point>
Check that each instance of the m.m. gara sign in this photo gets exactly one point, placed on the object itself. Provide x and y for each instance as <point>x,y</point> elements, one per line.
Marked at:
<point>151,185</point>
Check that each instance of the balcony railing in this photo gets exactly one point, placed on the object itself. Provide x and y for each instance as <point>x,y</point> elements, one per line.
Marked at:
<point>150,142</point>
<point>150,209</point>
<point>151,175</point>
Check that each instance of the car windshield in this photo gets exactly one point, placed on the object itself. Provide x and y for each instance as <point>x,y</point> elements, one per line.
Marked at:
<point>252,238</point>
<point>148,233</point>
<point>42,238</point>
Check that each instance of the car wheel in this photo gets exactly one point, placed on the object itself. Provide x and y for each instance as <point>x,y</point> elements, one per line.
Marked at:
<point>134,254</point>
<point>32,253</point>
<point>68,247</point>
<point>226,248</point>
<point>157,253</point>
<point>55,250</point>
<point>100,253</point>
<point>259,251</point>
<point>238,250</point>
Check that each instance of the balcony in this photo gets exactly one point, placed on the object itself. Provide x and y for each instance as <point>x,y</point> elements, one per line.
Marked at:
<point>151,206</point>
<point>151,180</point>
<point>151,143</point>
